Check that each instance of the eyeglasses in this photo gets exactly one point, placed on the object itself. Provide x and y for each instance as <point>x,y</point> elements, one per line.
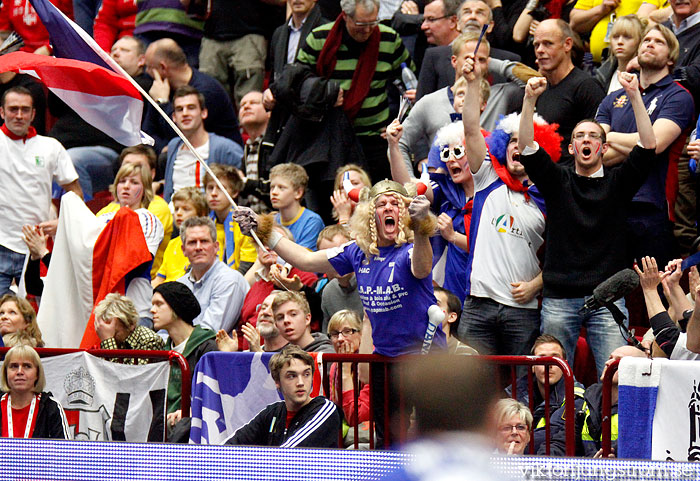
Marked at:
<point>364,24</point>
<point>434,19</point>
<point>457,151</point>
<point>347,332</point>
<point>508,428</point>
<point>591,135</point>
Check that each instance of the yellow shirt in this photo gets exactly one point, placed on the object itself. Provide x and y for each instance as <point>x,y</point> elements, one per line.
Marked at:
<point>160,209</point>
<point>626,7</point>
<point>174,261</point>
<point>244,246</point>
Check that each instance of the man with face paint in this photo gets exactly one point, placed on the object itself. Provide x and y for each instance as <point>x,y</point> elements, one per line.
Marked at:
<point>670,108</point>
<point>500,314</point>
<point>586,206</point>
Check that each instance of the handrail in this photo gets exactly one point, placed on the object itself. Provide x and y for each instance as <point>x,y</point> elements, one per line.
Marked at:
<point>606,408</point>
<point>567,375</point>
<point>173,357</point>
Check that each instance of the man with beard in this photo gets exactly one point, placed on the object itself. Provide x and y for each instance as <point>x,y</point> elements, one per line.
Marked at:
<point>265,328</point>
<point>585,206</point>
<point>670,108</point>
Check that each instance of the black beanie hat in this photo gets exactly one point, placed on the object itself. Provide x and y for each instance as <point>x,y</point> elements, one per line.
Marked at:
<point>180,299</point>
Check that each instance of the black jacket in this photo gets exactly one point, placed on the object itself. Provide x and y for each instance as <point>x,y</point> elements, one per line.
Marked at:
<point>51,421</point>
<point>316,132</point>
<point>280,40</point>
<point>687,68</point>
<point>604,73</point>
<point>316,425</point>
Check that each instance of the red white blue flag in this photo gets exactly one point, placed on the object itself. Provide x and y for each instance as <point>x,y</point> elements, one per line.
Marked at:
<point>69,41</point>
<point>101,97</point>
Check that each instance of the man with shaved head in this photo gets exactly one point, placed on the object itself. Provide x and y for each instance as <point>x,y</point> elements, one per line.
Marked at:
<point>167,64</point>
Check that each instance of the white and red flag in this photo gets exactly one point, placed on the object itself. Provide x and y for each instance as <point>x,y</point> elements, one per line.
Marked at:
<point>89,260</point>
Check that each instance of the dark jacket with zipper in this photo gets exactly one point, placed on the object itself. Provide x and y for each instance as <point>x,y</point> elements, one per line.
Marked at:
<point>316,425</point>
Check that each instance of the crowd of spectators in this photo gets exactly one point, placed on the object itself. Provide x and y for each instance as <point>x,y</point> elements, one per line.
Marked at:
<point>547,145</point>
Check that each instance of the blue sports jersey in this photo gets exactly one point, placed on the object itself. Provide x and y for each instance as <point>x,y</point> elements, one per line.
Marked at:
<point>396,301</point>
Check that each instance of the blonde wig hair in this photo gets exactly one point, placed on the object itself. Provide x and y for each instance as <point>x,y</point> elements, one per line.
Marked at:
<point>363,222</point>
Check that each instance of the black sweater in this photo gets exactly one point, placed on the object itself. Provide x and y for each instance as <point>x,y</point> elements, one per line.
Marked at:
<point>687,69</point>
<point>585,220</point>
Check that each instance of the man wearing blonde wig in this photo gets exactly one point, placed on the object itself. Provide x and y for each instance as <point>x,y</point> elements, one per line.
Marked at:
<point>391,257</point>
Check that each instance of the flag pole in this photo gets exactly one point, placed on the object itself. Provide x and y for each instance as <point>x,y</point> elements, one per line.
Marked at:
<point>109,61</point>
<point>184,139</point>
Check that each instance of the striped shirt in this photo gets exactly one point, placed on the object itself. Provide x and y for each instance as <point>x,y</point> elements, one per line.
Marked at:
<point>374,113</point>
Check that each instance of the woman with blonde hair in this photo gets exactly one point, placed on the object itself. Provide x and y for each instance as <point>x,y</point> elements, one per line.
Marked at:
<point>25,410</point>
<point>117,326</point>
<point>17,315</point>
<point>133,190</point>
<point>625,36</point>
<point>514,424</point>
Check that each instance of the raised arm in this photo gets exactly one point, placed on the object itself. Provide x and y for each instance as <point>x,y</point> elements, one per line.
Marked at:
<point>630,83</point>
<point>399,169</point>
<point>476,146</point>
<point>526,133</point>
<point>298,256</point>
<point>649,278</point>
<point>424,227</point>
<point>677,301</point>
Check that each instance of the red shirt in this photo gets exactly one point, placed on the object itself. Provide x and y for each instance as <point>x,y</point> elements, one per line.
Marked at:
<point>115,20</point>
<point>20,16</point>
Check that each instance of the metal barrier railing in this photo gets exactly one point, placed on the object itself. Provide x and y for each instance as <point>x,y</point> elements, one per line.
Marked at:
<point>567,378</point>
<point>606,408</point>
<point>173,357</point>
<point>513,361</point>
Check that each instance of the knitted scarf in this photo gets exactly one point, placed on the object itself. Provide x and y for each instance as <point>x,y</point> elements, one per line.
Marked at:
<point>364,71</point>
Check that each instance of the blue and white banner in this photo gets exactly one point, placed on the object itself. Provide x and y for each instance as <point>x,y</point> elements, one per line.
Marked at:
<point>229,389</point>
<point>107,401</point>
<point>659,409</point>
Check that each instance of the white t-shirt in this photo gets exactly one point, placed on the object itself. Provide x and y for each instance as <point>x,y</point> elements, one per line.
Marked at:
<point>680,351</point>
<point>510,231</point>
<point>27,169</point>
<point>186,171</point>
